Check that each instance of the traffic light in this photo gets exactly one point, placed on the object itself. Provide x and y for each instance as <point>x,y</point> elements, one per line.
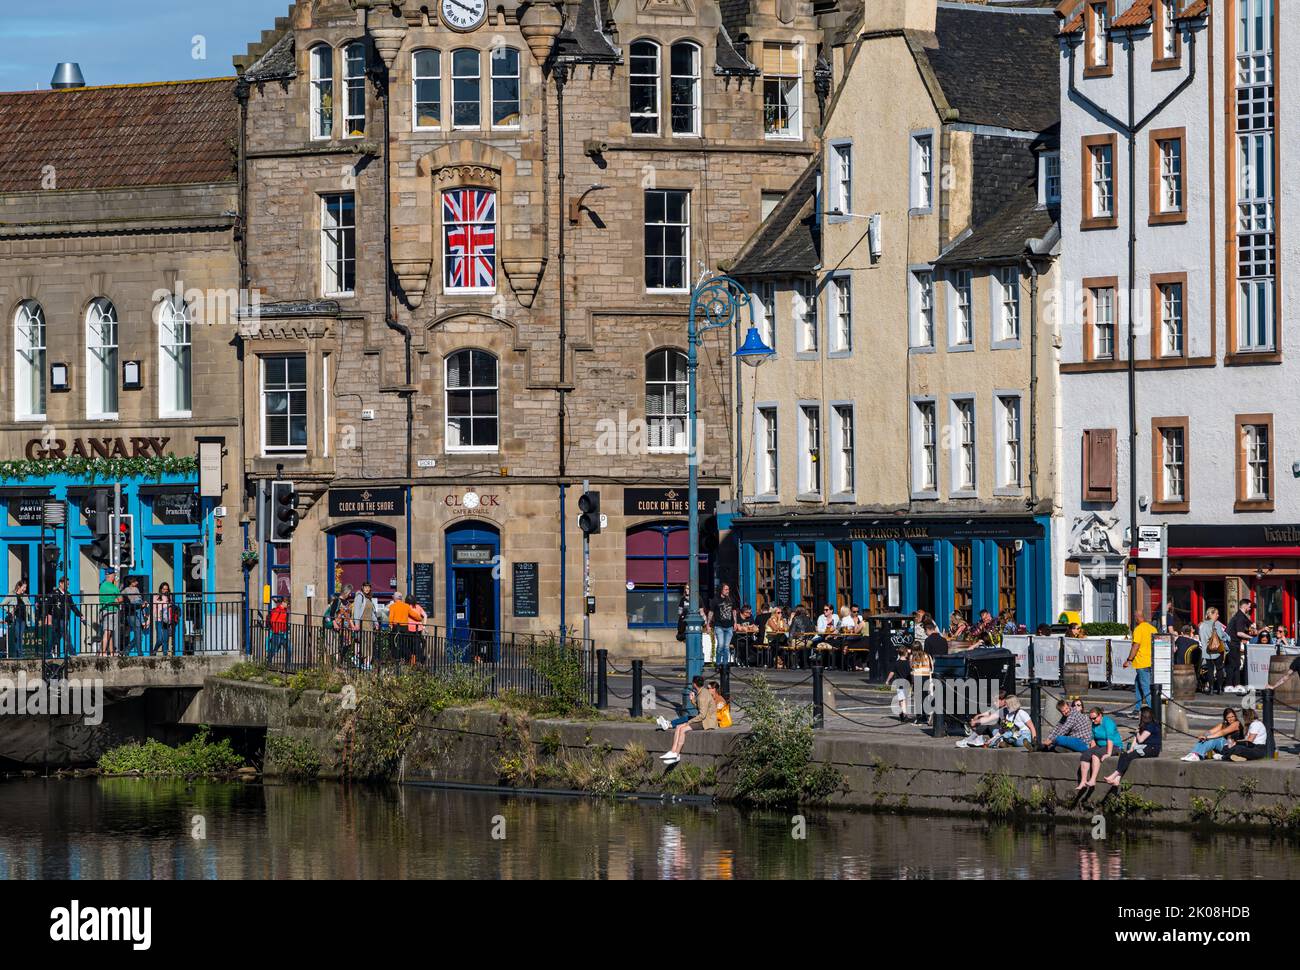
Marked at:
<point>283,516</point>
<point>97,518</point>
<point>589,506</point>
<point>125,545</point>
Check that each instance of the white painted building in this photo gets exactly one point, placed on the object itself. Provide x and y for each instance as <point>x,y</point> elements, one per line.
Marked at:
<point>1214,363</point>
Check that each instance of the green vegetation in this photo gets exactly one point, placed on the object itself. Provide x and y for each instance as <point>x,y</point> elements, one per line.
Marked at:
<point>292,758</point>
<point>1127,803</point>
<point>1106,629</point>
<point>561,667</point>
<point>773,763</point>
<point>196,757</point>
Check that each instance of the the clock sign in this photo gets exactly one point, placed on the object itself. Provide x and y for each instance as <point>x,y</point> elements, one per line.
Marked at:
<point>463,14</point>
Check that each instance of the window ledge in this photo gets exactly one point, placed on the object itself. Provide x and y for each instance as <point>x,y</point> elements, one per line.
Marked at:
<point>843,497</point>
<point>1247,358</point>
<point>919,210</point>
<point>922,349</point>
<point>965,494</point>
<point>1102,222</point>
<point>1253,505</point>
<point>807,355</point>
<point>1171,508</point>
<point>472,451</point>
<point>931,496</point>
<point>961,348</point>
<point>1006,344</point>
<point>809,497</point>
<point>1009,491</point>
<point>766,498</point>
<point>840,354</point>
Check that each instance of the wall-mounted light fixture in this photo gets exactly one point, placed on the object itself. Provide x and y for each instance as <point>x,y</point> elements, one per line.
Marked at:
<point>59,377</point>
<point>131,375</point>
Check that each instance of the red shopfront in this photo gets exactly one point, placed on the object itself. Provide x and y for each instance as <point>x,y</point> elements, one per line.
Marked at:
<point>1219,565</point>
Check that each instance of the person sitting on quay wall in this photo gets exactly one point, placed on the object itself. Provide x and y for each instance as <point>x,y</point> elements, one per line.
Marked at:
<point>1015,729</point>
<point>983,724</point>
<point>1145,743</point>
<point>1072,732</point>
<point>707,719</point>
<point>1254,745</point>
<point>1106,741</point>
<point>1211,743</point>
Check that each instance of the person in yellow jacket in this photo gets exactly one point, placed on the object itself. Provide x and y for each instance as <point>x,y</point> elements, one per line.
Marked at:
<point>1139,658</point>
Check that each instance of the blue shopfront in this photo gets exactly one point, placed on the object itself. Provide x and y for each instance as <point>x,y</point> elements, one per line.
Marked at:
<point>885,564</point>
<point>172,539</point>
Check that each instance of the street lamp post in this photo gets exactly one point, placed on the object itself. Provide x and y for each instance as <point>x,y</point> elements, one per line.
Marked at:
<point>721,299</point>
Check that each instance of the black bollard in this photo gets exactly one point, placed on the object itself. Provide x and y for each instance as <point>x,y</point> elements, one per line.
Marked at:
<point>636,687</point>
<point>1157,704</point>
<point>1031,658</point>
<point>1036,707</point>
<point>940,709</point>
<point>819,714</point>
<point>724,679</point>
<point>602,679</point>
<point>1267,714</point>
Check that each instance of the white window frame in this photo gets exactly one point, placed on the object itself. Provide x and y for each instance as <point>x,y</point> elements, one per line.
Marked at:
<point>1101,181</point>
<point>685,256</point>
<point>494,387</point>
<point>922,290</point>
<point>841,181</point>
<point>1171,175</point>
<point>674,423</point>
<point>692,86</point>
<point>289,389</point>
<point>476,78</point>
<point>841,315</point>
<point>639,78</point>
<point>351,83</point>
<point>103,350</point>
<point>1168,29</point>
<point>843,451</point>
<point>1098,329</point>
<point>1049,178</point>
<point>175,356</point>
<point>334,235</point>
<point>921,193</point>
<point>764,298</point>
<point>31,354</point>
<point>925,448</point>
<point>965,445</point>
<point>791,96</point>
<point>811,456</point>
<point>1009,441</point>
<point>322,86</point>
<point>961,310</point>
<point>498,55</point>
<point>1259,461</point>
<point>1004,285</point>
<point>435,78</point>
<point>1173,309</point>
<point>767,450</point>
<point>1100,14</point>
<point>806,329</point>
<point>1173,459</point>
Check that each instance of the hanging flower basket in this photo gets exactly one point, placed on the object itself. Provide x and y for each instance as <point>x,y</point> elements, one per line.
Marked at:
<point>248,559</point>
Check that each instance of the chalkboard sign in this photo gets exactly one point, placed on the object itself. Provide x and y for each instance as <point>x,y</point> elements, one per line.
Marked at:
<point>422,592</point>
<point>28,510</point>
<point>784,584</point>
<point>525,588</point>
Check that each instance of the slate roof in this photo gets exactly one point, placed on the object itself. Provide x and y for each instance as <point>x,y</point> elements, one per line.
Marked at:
<point>996,67</point>
<point>1006,234</point>
<point>787,243</point>
<point>276,63</point>
<point>583,38</point>
<point>170,133</point>
<point>728,59</point>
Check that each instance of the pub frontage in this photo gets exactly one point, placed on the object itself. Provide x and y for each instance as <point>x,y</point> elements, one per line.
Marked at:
<point>887,564</point>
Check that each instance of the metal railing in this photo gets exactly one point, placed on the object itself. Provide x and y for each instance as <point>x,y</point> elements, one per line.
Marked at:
<point>186,625</point>
<point>504,661</point>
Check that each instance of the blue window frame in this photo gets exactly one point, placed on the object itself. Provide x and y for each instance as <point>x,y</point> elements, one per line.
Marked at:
<point>658,569</point>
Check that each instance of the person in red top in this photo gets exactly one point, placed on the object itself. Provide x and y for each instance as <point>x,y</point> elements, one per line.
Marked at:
<point>277,625</point>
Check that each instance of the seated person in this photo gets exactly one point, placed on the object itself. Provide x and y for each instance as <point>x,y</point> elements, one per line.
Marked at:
<point>744,634</point>
<point>1015,729</point>
<point>826,625</point>
<point>855,636</point>
<point>985,629</point>
<point>776,632</point>
<point>1145,744</point>
<point>1076,631</point>
<point>957,626</point>
<point>1187,647</point>
<point>982,725</point>
<point>1072,732</point>
<point>1254,745</point>
<point>1216,739</point>
<point>1106,741</point>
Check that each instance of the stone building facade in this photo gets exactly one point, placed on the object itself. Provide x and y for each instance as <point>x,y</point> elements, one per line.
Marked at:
<point>555,179</point>
<point>118,272</point>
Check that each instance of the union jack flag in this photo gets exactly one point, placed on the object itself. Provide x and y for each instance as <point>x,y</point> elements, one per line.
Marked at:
<point>469,225</point>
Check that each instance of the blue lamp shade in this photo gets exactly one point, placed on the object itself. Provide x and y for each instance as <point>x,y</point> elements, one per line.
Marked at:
<point>753,351</point>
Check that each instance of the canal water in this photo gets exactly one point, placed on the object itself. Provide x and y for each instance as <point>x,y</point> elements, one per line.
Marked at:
<point>125,828</point>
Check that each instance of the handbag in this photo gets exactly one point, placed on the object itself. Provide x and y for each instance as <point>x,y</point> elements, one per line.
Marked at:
<point>724,715</point>
<point>1214,648</point>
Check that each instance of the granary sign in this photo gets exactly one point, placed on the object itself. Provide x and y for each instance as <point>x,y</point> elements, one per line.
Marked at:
<point>96,448</point>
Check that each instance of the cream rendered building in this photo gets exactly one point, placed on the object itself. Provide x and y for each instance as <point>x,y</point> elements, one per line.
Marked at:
<point>901,450</point>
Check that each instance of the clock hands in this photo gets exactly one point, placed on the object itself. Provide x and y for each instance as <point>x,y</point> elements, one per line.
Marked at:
<point>463,6</point>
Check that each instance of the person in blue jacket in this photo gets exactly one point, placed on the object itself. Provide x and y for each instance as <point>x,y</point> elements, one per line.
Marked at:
<point>1105,742</point>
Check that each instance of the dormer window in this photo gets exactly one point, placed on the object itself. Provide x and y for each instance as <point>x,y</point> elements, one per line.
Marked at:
<point>1049,178</point>
<point>322,91</point>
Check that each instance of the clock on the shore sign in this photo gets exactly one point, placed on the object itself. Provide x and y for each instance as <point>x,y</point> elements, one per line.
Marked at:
<point>463,14</point>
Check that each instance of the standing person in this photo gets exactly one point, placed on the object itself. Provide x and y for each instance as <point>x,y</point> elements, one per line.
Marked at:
<point>399,614</point>
<point>721,620</point>
<point>935,644</point>
<point>277,631</point>
<point>1214,639</point>
<point>110,602</point>
<point>683,605</point>
<point>900,677</point>
<point>133,615</point>
<point>415,618</point>
<point>922,665</point>
<point>365,617</point>
<point>1145,744</point>
<point>165,618</point>
<point>1140,659</point>
<point>60,607</point>
<point>1238,636</point>
<point>18,618</point>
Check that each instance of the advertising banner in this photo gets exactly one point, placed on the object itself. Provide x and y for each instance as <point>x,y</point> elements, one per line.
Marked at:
<point>1119,674</point>
<point>1089,651</point>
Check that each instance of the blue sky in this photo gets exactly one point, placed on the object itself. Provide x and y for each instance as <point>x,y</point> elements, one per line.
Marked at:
<point>127,41</point>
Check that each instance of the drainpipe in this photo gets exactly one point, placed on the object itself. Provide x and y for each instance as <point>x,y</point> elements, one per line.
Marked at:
<point>1032,266</point>
<point>560,74</point>
<point>241,223</point>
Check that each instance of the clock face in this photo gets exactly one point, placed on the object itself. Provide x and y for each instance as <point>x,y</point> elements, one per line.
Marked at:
<point>463,14</point>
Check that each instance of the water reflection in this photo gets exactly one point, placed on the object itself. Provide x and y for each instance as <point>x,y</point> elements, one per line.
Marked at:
<point>140,829</point>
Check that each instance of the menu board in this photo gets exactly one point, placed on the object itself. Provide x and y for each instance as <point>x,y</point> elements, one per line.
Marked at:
<point>422,591</point>
<point>524,575</point>
<point>784,584</point>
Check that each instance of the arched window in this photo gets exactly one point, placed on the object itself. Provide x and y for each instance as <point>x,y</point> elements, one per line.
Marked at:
<point>643,75</point>
<point>665,400</point>
<point>684,88</point>
<point>465,89</point>
<point>505,87</point>
<point>175,332</point>
<point>322,91</point>
<point>426,88</point>
<point>364,554</point>
<point>471,401</point>
<point>658,570</point>
<point>101,359</point>
<point>29,361</point>
<point>354,87</point>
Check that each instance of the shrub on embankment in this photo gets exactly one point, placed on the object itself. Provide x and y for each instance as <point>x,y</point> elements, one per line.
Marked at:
<point>773,763</point>
<point>196,757</point>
